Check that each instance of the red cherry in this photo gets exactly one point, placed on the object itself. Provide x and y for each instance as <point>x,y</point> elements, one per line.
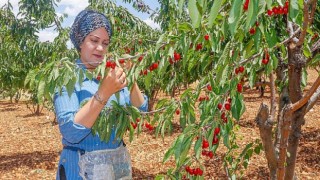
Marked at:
<point>227,106</point>
<point>155,65</point>
<point>178,111</point>
<point>270,12</point>
<point>98,78</point>
<point>209,87</point>
<point>252,31</point>
<point>138,120</point>
<point>145,72</point>
<point>210,154</point>
<point>176,56</point>
<point>121,61</point>
<point>280,9</point>
<point>285,10</point>
<point>187,168</point>
<point>204,153</point>
<point>239,87</point>
<point>206,37</point>
<point>199,46</point>
<point>275,10</point>
<point>113,65</point>
<point>108,64</point>
<point>237,70</point>
<point>286,4</point>
<point>265,61</point>
<point>140,58</point>
<point>216,131</point>
<point>241,69</point>
<point>215,140</point>
<point>245,7</point>
<point>205,144</point>
<point>257,23</point>
<point>198,172</point>
<point>220,106</point>
<point>229,100</point>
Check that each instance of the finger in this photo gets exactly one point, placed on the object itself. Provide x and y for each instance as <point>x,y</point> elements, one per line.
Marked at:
<point>119,72</point>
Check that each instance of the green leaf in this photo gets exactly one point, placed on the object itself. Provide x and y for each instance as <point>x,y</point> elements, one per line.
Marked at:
<point>214,11</point>
<point>194,13</point>
<point>238,107</point>
<point>178,147</point>
<point>181,4</point>
<point>293,9</point>
<point>234,17</point>
<point>252,14</point>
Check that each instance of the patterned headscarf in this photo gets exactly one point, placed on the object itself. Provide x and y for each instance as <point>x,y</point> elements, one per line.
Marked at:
<point>86,22</point>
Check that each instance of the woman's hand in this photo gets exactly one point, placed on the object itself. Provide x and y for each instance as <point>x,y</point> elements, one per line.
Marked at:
<point>114,81</point>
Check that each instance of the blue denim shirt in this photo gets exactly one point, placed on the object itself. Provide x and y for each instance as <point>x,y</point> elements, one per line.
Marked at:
<point>76,135</point>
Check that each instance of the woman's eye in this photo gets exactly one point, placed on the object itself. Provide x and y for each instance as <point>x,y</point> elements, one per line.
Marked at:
<point>95,41</point>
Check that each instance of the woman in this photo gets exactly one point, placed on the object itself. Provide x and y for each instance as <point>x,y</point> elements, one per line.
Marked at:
<point>91,33</point>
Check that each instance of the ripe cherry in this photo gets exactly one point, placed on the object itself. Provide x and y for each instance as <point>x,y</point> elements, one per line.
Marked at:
<point>227,106</point>
<point>178,111</point>
<point>121,61</point>
<point>220,106</point>
<point>140,58</point>
<point>265,61</point>
<point>98,78</point>
<point>252,31</point>
<point>239,87</point>
<point>241,69</point>
<point>216,131</point>
<point>176,56</point>
<point>206,37</point>
<point>209,87</point>
<point>205,144</point>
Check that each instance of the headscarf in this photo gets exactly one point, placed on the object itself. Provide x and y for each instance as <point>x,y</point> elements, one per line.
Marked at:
<point>86,22</point>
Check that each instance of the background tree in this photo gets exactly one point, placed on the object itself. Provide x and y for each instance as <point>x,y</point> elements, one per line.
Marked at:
<point>215,46</point>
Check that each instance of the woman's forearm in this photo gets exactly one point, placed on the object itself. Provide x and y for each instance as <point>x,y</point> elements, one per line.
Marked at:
<point>136,96</point>
<point>88,114</point>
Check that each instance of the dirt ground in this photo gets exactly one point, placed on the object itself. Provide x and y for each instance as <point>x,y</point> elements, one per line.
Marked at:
<point>30,145</point>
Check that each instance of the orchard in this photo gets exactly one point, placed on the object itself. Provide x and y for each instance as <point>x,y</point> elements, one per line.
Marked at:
<point>201,61</point>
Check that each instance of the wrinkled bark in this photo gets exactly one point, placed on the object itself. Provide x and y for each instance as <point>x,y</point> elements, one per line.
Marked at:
<point>265,128</point>
<point>296,64</point>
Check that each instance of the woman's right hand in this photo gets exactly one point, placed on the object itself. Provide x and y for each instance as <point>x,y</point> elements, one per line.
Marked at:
<point>114,81</point>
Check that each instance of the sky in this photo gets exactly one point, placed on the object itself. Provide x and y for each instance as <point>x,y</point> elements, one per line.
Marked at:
<point>73,7</point>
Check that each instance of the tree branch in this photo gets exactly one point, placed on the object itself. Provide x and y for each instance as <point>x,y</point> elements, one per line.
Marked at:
<point>276,46</point>
<point>313,100</point>
<point>306,21</point>
<point>313,10</point>
<point>285,117</point>
<point>306,98</point>
<point>273,98</point>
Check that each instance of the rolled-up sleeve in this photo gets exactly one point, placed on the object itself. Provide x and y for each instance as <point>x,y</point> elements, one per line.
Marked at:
<point>144,105</point>
<point>65,108</point>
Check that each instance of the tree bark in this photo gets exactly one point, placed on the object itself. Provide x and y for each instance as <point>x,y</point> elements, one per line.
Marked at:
<point>296,64</point>
<point>265,129</point>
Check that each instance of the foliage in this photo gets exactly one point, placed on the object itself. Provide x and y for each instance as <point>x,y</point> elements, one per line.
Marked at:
<point>201,43</point>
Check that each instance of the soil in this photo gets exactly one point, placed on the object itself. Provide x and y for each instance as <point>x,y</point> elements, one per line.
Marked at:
<point>30,145</point>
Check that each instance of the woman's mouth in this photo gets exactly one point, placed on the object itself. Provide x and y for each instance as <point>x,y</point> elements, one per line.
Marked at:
<point>98,56</point>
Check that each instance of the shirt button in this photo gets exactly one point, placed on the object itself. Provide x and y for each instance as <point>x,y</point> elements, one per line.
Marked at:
<point>64,160</point>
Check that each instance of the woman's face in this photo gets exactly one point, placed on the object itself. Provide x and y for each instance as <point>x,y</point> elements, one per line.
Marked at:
<point>94,47</point>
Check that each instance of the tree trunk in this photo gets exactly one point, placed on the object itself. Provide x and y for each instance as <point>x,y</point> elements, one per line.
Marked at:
<point>265,128</point>
<point>296,64</point>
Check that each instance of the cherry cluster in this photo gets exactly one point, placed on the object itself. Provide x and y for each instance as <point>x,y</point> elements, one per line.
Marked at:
<point>147,125</point>
<point>246,5</point>
<point>279,10</point>
<point>194,171</point>
<point>225,106</point>
<point>176,57</point>
<point>239,69</point>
